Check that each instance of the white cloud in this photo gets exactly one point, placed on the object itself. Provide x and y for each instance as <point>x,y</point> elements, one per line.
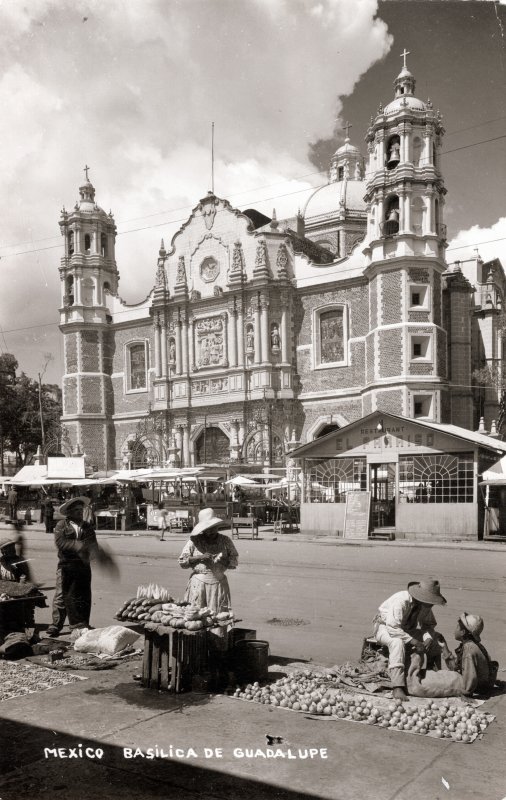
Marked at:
<point>131,88</point>
<point>488,242</point>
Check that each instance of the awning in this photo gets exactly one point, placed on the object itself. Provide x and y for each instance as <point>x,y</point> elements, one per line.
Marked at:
<point>496,475</point>
<point>242,480</point>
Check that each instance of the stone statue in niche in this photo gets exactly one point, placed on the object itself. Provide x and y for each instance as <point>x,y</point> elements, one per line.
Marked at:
<point>250,339</point>
<point>275,339</point>
<point>172,352</point>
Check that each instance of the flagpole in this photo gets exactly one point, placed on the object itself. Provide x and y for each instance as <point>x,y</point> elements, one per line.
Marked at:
<point>212,157</point>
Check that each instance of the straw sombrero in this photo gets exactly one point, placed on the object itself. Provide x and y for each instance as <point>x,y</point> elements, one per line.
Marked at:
<point>427,591</point>
<point>207,519</point>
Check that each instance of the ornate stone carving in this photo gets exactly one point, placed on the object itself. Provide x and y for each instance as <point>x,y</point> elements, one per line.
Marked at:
<point>209,269</point>
<point>275,339</point>
<point>250,339</point>
<point>212,386</point>
<point>209,341</point>
<point>181,271</point>
<point>282,261</point>
<point>261,269</point>
<point>195,294</point>
<point>217,291</point>
<point>209,212</point>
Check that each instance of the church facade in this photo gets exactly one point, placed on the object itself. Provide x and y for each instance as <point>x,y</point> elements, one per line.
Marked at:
<point>260,334</point>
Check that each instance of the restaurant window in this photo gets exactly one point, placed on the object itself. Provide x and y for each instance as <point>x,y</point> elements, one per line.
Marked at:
<point>330,337</point>
<point>441,478</point>
<point>328,480</point>
<point>137,373</point>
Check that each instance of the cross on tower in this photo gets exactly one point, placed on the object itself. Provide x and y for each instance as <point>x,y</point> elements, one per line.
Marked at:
<point>346,127</point>
<point>403,55</point>
<point>86,168</point>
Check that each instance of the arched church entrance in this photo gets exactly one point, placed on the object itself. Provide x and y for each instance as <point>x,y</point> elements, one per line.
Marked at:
<point>326,429</point>
<point>212,447</point>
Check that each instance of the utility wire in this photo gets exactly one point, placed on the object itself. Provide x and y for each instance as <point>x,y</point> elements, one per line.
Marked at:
<point>235,194</point>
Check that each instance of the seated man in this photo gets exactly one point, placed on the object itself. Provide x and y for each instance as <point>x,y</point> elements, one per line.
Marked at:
<point>473,662</point>
<point>404,619</point>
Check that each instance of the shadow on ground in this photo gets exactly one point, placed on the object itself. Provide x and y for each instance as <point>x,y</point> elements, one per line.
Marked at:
<point>27,770</point>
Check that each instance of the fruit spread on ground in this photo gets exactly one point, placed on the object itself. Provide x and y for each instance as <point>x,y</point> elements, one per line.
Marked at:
<point>319,694</point>
<point>153,603</point>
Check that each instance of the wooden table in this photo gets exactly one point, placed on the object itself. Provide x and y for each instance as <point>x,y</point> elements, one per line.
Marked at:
<point>173,656</point>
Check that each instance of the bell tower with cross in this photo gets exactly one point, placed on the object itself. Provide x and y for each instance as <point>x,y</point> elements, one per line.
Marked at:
<point>405,254</point>
<point>89,283</point>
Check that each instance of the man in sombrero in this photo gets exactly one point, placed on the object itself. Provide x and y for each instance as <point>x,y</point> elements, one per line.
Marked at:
<point>76,543</point>
<point>405,623</point>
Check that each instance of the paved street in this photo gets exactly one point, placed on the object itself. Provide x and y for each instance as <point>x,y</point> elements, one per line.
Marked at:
<point>332,591</point>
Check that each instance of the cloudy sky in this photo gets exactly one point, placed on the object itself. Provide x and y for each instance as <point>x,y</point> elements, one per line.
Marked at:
<point>131,87</point>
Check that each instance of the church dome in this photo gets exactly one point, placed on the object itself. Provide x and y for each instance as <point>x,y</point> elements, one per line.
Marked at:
<point>404,102</point>
<point>335,198</point>
<point>347,149</point>
<point>87,202</point>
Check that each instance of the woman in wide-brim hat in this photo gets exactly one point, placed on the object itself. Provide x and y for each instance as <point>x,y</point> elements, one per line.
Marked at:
<point>209,554</point>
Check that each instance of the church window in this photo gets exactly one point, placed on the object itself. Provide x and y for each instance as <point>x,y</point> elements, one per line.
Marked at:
<point>68,300</point>
<point>390,225</point>
<point>393,152</point>
<point>420,348</point>
<point>340,173</point>
<point>419,297</point>
<point>103,244</point>
<point>87,292</point>
<point>137,366</point>
<point>87,243</point>
<point>417,151</point>
<point>330,337</point>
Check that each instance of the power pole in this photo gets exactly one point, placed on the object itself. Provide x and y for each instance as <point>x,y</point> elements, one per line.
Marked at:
<point>48,358</point>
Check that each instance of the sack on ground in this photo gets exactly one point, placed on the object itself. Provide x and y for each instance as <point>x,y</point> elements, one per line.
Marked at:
<point>109,640</point>
<point>428,683</point>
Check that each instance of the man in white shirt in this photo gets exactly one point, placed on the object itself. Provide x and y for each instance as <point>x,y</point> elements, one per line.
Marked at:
<point>404,619</point>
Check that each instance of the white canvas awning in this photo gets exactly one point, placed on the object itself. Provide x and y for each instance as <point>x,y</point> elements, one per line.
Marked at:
<point>241,480</point>
<point>496,475</point>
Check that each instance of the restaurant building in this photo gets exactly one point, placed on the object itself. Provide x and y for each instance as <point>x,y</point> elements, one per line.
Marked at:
<point>257,334</point>
<point>420,479</point>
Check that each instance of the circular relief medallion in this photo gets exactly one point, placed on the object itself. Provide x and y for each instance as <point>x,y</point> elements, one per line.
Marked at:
<point>209,269</point>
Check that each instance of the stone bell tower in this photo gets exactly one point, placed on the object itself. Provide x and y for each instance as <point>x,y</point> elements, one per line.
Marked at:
<point>88,275</point>
<point>404,252</point>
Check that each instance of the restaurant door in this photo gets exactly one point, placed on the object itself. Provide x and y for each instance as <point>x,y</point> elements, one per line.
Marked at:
<point>382,486</point>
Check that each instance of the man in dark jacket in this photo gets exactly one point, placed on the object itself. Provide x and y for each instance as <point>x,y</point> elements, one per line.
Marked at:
<point>12,502</point>
<point>76,542</point>
<point>48,514</point>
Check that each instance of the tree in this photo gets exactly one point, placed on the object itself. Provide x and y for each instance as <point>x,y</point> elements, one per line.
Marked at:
<point>27,407</point>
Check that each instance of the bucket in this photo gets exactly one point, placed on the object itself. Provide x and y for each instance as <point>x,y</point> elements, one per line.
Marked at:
<point>238,634</point>
<point>251,660</point>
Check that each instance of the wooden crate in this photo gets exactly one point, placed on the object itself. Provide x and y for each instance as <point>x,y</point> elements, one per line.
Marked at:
<point>172,657</point>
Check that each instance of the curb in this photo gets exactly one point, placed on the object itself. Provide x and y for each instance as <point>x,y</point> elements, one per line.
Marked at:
<point>267,535</point>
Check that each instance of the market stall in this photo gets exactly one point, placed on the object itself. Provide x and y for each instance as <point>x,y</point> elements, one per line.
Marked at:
<point>185,647</point>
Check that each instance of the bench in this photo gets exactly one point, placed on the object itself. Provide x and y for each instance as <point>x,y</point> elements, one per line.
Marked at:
<point>244,522</point>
